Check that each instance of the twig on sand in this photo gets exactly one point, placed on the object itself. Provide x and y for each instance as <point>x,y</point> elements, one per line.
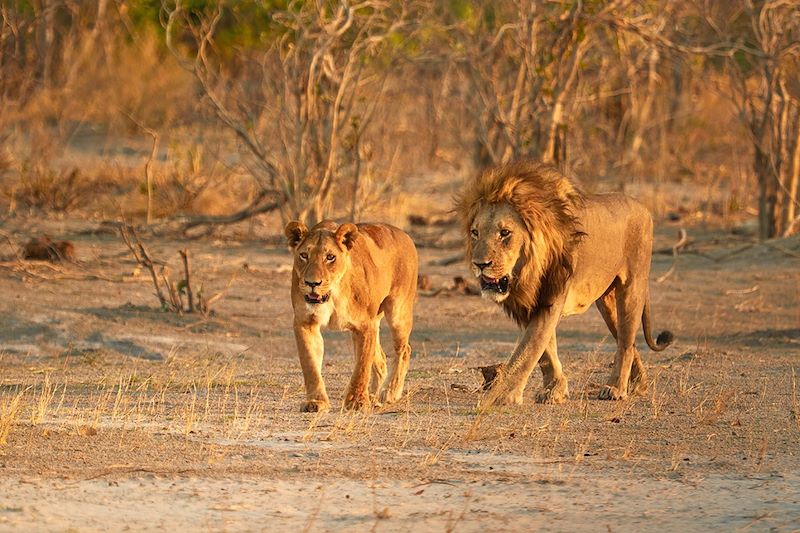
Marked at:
<point>142,256</point>
<point>188,279</point>
<point>682,240</point>
<point>125,469</point>
<point>751,290</point>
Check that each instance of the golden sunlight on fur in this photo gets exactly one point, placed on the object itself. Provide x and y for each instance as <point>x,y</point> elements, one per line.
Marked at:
<point>544,250</point>
<point>347,277</point>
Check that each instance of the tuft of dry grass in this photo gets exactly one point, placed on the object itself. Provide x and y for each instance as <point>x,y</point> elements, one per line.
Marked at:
<point>9,413</point>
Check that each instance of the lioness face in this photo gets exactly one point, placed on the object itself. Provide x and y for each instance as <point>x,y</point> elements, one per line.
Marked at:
<point>321,258</point>
<point>497,235</point>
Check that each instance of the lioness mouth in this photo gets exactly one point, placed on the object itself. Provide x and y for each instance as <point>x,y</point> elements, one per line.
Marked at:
<point>313,298</point>
<point>494,284</point>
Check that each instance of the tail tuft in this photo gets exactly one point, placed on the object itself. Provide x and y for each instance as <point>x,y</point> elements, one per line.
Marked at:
<point>664,339</point>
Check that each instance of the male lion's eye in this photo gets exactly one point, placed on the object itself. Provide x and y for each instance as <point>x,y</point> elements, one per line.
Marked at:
<point>504,233</point>
<point>304,256</point>
<point>330,258</point>
<point>474,233</point>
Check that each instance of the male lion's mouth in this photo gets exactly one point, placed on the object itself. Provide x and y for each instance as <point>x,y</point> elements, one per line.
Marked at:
<point>314,298</point>
<point>499,286</point>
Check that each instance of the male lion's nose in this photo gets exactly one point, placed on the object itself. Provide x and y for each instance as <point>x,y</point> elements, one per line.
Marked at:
<point>313,284</point>
<point>481,266</point>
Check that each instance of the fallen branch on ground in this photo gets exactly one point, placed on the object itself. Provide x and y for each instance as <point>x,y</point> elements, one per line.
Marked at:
<point>256,207</point>
<point>682,240</point>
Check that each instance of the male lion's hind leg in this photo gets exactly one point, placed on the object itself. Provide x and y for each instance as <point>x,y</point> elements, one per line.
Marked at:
<point>555,388</point>
<point>638,383</point>
<point>629,305</point>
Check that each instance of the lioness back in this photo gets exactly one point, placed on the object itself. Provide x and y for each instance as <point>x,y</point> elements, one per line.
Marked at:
<point>393,254</point>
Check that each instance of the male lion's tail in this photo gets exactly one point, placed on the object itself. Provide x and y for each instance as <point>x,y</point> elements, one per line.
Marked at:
<point>664,339</point>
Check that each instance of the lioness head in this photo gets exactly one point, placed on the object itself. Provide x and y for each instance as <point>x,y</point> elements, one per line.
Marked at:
<point>321,257</point>
<point>497,235</point>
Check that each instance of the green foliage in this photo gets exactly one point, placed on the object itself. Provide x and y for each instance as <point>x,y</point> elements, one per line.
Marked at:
<point>244,25</point>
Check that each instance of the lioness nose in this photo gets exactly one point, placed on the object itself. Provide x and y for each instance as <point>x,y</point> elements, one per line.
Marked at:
<point>313,284</point>
<point>481,266</point>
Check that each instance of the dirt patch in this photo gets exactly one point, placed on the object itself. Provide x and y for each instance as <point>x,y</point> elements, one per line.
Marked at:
<point>113,408</point>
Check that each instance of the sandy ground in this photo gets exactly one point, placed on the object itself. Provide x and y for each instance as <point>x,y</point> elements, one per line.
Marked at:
<point>121,416</point>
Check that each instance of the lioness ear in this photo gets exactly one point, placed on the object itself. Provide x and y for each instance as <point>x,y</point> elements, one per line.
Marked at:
<point>295,232</point>
<point>347,235</point>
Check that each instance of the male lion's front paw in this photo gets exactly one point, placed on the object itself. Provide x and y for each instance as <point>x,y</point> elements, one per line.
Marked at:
<point>555,392</point>
<point>610,392</point>
<point>496,398</point>
<point>357,401</point>
<point>315,406</point>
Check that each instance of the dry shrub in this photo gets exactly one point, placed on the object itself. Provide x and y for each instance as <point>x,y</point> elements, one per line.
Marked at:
<point>136,79</point>
<point>52,190</point>
<point>196,182</point>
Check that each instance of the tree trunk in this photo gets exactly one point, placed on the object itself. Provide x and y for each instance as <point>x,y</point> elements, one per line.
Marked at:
<point>767,195</point>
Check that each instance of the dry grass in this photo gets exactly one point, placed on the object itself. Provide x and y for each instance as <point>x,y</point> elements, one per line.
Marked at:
<point>9,414</point>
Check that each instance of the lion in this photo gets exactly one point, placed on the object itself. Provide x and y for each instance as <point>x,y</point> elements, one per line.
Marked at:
<point>544,250</point>
<point>349,276</point>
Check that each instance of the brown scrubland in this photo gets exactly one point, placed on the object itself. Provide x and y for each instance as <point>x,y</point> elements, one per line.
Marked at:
<point>151,153</point>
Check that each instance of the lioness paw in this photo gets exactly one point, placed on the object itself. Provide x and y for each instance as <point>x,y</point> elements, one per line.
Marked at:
<point>390,396</point>
<point>609,392</point>
<point>315,406</point>
<point>357,402</point>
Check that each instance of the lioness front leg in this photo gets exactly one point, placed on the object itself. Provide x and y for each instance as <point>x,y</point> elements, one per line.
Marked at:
<point>512,377</point>
<point>310,348</point>
<point>554,384</point>
<point>365,343</point>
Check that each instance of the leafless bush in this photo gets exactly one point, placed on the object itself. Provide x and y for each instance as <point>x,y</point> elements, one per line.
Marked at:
<point>301,106</point>
<point>178,297</point>
<point>41,187</point>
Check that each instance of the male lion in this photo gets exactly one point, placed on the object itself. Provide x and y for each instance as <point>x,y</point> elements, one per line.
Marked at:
<point>543,250</point>
<point>348,276</point>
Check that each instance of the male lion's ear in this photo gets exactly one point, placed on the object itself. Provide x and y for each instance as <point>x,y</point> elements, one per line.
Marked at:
<point>295,232</point>
<point>347,235</point>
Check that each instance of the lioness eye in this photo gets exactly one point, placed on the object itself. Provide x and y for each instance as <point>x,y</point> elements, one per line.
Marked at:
<point>330,257</point>
<point>504,233</point>
<point>303,256</point>
<point>474,233</point>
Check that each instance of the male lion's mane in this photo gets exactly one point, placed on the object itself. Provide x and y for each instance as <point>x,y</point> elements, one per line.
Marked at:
<point>547,203</point>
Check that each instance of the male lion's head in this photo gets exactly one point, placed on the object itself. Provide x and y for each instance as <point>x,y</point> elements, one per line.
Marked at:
<point>520,226</point>
<point>321,257</point>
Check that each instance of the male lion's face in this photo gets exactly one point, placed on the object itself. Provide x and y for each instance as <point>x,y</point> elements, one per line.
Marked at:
<point>321,257</point>
<point>497,235</point>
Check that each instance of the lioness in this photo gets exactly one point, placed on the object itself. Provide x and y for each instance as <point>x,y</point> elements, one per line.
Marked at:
<point>543,250</point>
<point>348,276</point>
